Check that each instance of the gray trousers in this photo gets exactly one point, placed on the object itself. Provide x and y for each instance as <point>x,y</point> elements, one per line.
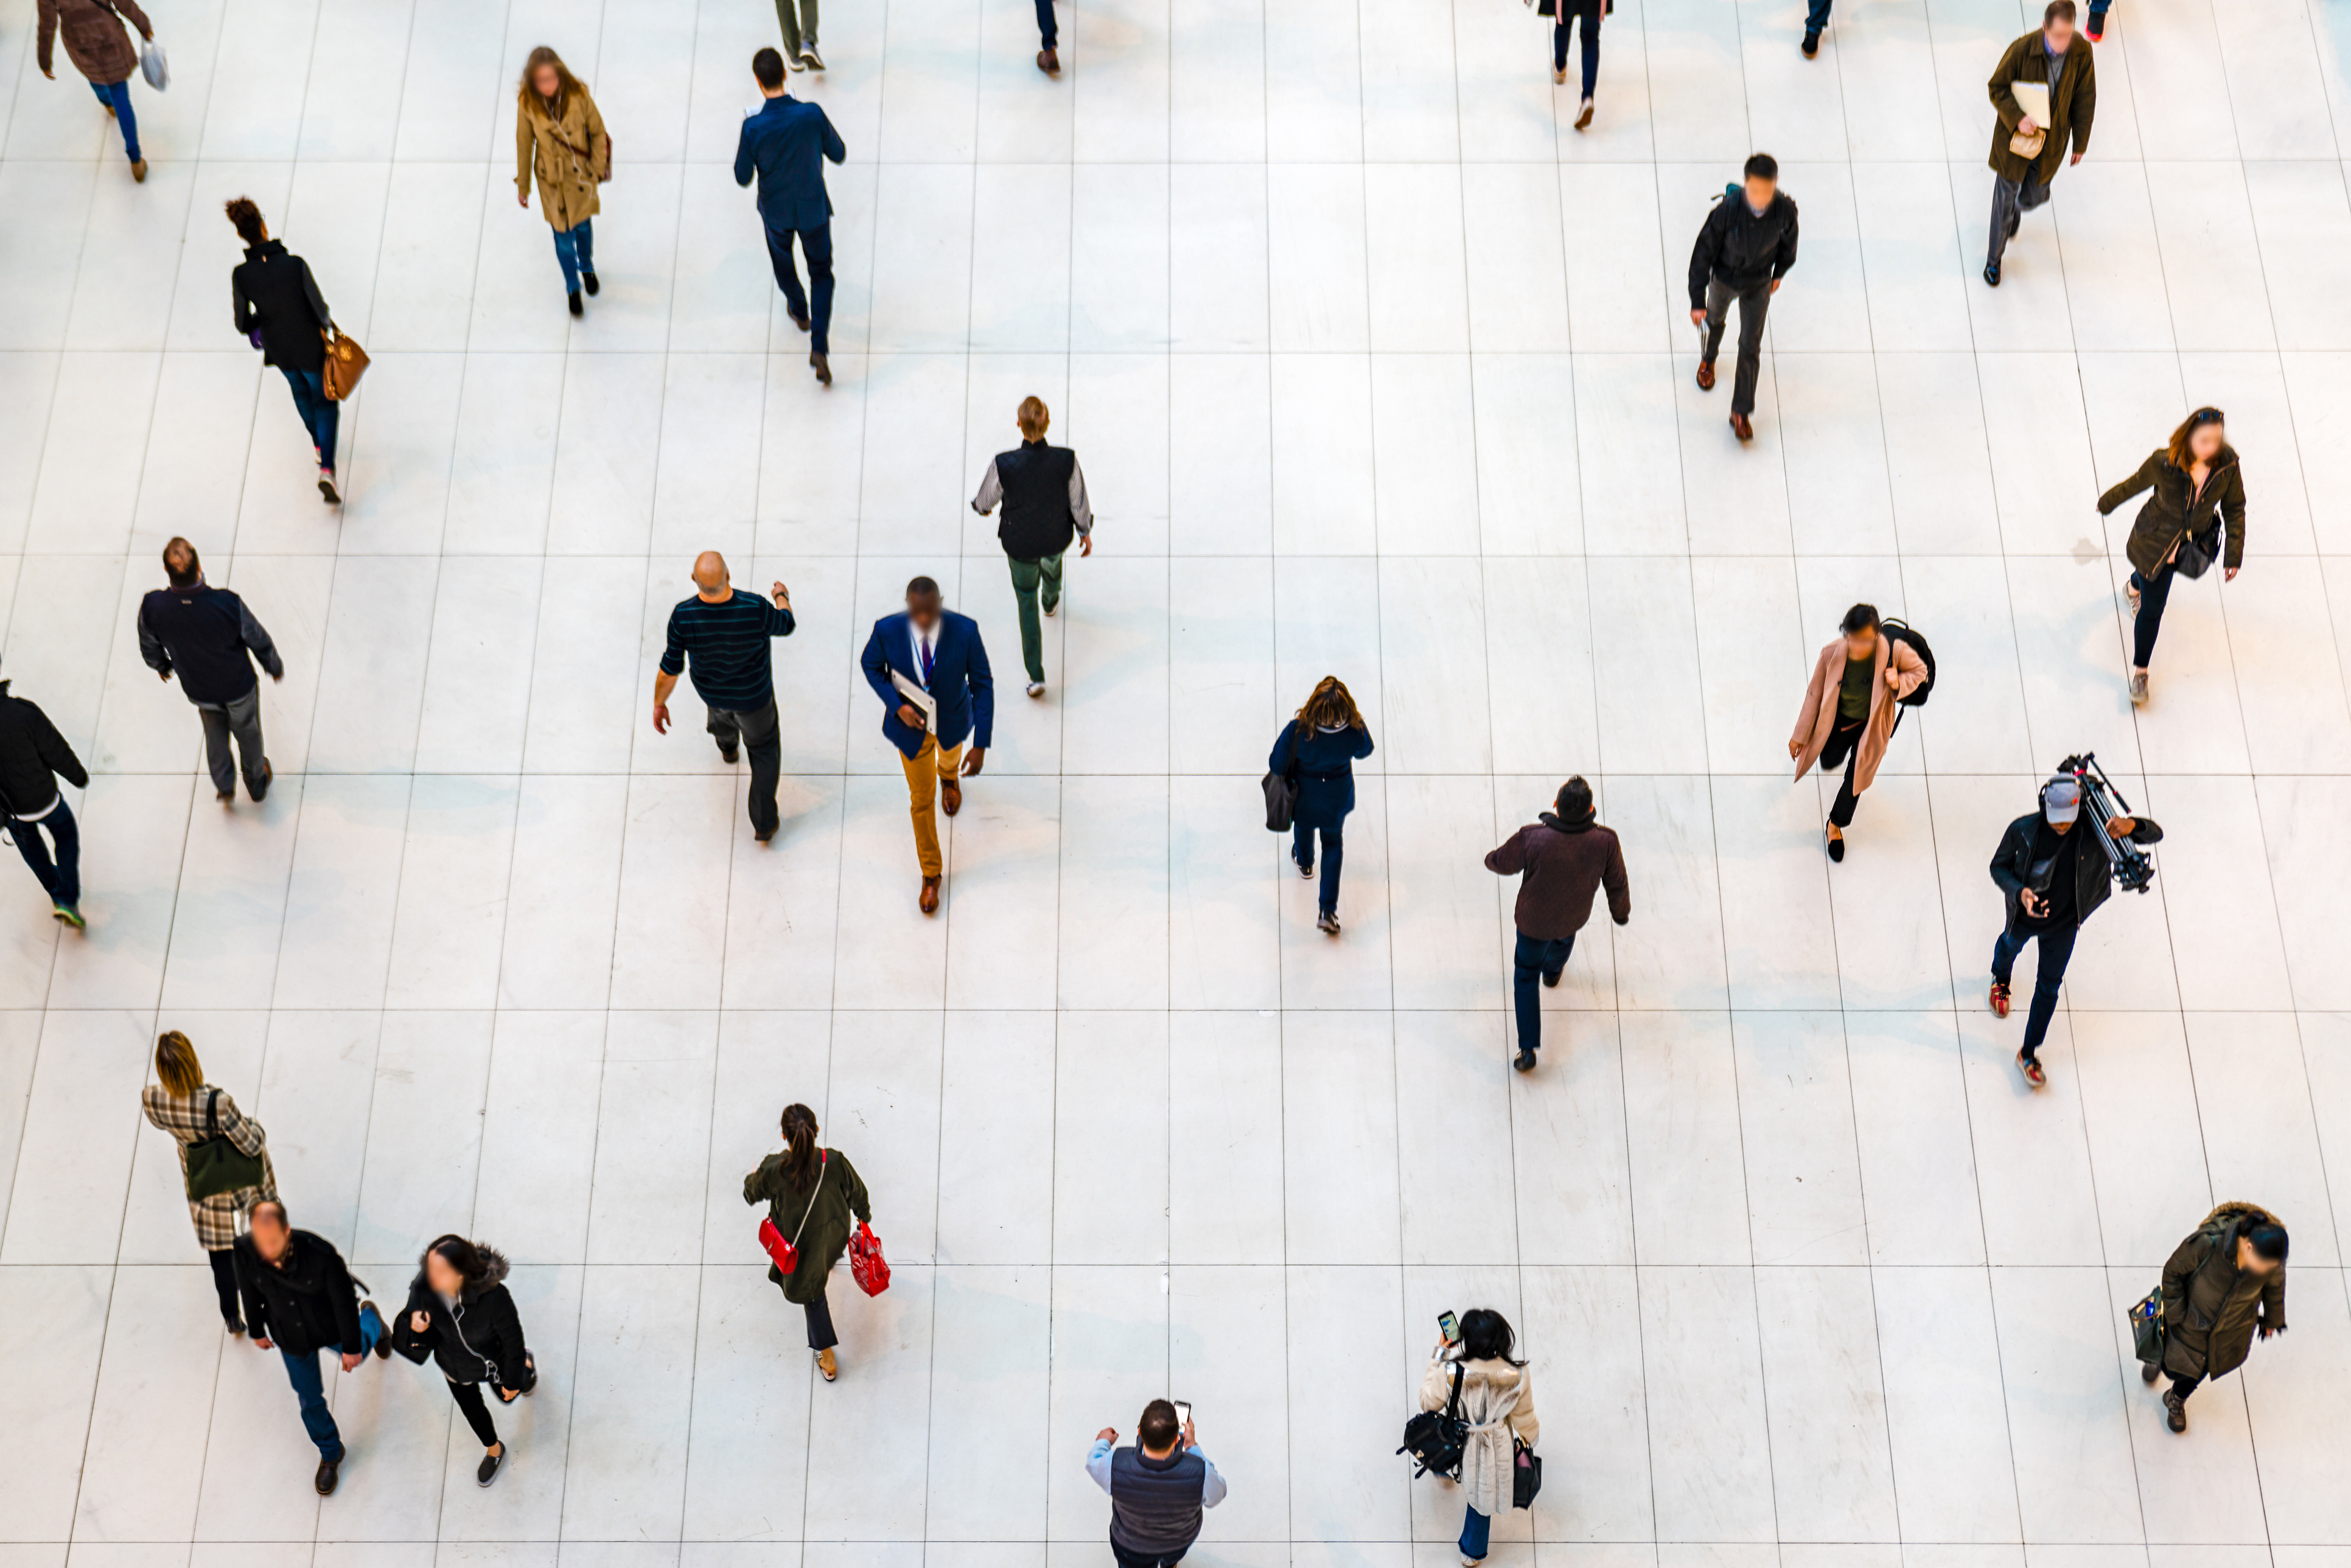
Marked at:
<point>798,18</point>
<point>1753,305</point>
<point>2011,200</point>
<point>240,719</point>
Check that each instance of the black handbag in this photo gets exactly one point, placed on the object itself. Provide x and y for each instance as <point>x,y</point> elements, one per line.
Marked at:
<point>2146,1329</point>
<point>2195,556</point>
<point>1526,1474</point>
<point>1281,791</point>
<point>215,1166</point>
<point>1435,1438</point>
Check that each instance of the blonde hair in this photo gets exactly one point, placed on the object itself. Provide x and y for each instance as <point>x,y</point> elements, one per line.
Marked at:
<point>1331,705</point>
<point>176,1067</point>
<point>1034,417</point>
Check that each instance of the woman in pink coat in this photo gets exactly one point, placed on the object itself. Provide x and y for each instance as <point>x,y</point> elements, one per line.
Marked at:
<point>1850,709</point>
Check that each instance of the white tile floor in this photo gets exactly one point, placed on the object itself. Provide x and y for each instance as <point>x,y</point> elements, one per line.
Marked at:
<point>1376,367</point>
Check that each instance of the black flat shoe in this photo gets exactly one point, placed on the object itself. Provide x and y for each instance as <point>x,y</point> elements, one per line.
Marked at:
<point>1836,847</point>
<point>488,1469</point>
<point>577,308</point>
<point>1812,44</point>
<point>1991,273</point>
<point>1524,1062</point>
<point>588,281</point>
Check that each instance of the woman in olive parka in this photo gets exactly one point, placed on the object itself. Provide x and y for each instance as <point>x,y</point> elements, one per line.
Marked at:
<point>813,1194</point>
<point>2222,1283</point>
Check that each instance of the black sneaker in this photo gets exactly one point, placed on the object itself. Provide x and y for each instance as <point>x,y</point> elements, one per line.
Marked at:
<point>487,1471</point>
<point>2097,28</point>
<point>1991,273</point>
<point>1812,44</point>
<point>1524,1062</point>
<point>588,281</point>
<point>577,308</point>
<point>329,1473</point>
<point>235,1327</point>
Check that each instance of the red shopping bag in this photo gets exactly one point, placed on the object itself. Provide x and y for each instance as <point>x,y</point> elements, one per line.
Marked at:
<point>866,1264</point>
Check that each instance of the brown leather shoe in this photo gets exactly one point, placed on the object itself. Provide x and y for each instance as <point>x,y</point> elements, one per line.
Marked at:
<point>139,170</point>
<point>1741,428</point>
<point>1705,375</point>
<point>823,369</point>
<point>1050,62</point>
<point>950,796</point>
<point>1584,117</point>
<point>930,900</point>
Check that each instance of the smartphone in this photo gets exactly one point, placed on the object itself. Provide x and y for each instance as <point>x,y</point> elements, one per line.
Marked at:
<point>1450,1328</point>
<point>1183,1412</point>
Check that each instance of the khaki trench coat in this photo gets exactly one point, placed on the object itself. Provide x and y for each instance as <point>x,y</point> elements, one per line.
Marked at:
<point>566,157</point>
<point>1817,717</point>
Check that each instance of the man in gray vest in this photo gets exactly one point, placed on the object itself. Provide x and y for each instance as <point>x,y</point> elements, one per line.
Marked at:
<point>1156,1489</point>
<point>1044,496</point>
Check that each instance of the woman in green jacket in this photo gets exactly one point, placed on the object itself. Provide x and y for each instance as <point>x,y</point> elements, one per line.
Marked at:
<point>812,1194</point>
<point>2223,1283</point>
<point>2194,476</point>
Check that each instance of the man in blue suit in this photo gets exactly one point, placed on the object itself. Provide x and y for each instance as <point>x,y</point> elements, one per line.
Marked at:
<point>939,652</point>
<point>786,143</point>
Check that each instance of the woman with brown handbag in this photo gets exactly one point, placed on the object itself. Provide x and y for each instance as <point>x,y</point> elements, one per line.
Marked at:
<point>560,142</point>
<point>279,311</point>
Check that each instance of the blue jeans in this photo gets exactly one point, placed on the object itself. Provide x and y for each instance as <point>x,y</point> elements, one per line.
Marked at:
<point>62,878</point>
<point>1334,849</point>
<point>1535,958</point>
<point>310,1388</point>
<point>2056,952</point>
<point>1816,19</point>
<point>574,250</point>
<point>1474,1527</point>
<point>118,99</point>
<point>321,415</point>
<point>1046,31</point>
<point>1590,14</point>
<point>816,244</point>
<point>2154,593</point>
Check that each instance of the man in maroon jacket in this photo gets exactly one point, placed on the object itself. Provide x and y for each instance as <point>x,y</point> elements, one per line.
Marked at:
<point>1565,859</point>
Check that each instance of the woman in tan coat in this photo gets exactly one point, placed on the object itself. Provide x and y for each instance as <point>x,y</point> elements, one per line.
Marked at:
<point>1850,709</point>
<point>181,1103</point>
<point>1498,1401</point>
<point>560,142</point>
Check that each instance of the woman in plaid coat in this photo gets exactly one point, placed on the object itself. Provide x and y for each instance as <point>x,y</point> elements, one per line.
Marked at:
<point>181,1103</point>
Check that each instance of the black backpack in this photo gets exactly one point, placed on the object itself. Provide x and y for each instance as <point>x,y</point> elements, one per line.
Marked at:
<point>1434,1439</point>
<point>1902,632</point>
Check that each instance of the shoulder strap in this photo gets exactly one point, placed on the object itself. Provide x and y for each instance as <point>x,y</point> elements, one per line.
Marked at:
<point>212,1116</point>
<point>1453,1400</point>
<point>824,1164</point>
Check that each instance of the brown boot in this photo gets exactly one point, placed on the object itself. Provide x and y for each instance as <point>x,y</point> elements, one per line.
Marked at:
<point>930,899</point>
<point>1741,428</point>
<point>1050,62</point>
<point>950,796</point>
<point>139,170</point>
<point>2174,1411</point>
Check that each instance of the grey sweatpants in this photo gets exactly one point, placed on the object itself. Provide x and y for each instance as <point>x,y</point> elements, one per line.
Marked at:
<point>239,718</point>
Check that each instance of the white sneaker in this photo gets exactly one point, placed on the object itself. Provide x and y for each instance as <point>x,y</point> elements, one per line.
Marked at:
<point>2130,592</point>
<point>1036,688</point>
<point>2138,687</point>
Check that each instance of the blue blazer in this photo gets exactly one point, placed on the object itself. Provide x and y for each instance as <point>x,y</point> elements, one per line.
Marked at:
<point>785,144</point>
<point>960,680</point>
<point>1326,772</point>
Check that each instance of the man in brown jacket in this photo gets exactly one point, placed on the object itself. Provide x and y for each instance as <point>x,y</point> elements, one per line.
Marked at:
<point>1565,857</point>
<point>2025,153</point>
<point>101,51</point>
<point>2222,1284</point>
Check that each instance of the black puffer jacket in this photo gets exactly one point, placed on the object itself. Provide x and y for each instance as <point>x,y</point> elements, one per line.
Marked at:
<point>32,756</point>
<point>2023,861</point>
<point>1741,248</point>
<point>479,1340</point>
<point>304,1303</point>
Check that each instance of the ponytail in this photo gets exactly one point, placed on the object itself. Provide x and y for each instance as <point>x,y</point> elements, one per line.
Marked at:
<point>800,1140</point>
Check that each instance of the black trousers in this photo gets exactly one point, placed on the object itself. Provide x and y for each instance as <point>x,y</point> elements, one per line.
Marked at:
<point>1844,746</point>
<point>1754,305</point>
<point>1141,1559</point>
<point>757,734</point>
<point>2184,1386</point>
<point>224,1264</point>
<point>819,1325</point>
<point>469,1399</point>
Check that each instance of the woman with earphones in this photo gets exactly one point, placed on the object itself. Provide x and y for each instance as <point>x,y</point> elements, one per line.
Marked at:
<point>2198,496</point>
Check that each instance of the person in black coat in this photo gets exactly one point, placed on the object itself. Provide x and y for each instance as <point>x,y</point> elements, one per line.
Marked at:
<point>33,756</point>
<point>460,1314</point>
<point>208,638</point>
<point>1746,246</point>
<point>1319,748</point>
<point>2052,880</point>
<point>300,1299</point>
<point>279,310</point>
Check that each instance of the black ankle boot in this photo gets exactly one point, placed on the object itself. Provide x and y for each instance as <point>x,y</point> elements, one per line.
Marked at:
<point>577,308</point>
<point>589,278</point>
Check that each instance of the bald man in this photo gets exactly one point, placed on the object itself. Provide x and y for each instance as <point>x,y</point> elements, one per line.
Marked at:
<point>726,631</point>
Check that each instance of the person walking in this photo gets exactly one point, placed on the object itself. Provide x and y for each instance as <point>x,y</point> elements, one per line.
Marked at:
<point>97,48</point>
<point>785,144</point>
<point>278,311</point>
<point>210,639</point>
<point>1816,22</point>
<point>1851,708</point>
<point>1570,14</point>
<point>33,758</point>
<point>300,1299</point>
<point>811,1193</point>
<point>2222,1285</point>
<point>1319,748</point>
<point>2025,153</point>
<point>727,632</point>
<point>798,19</point>
<point>561,144</point>
<point>1048,33</point>
<point>1498,1401</point>
<point>2051,884</point>
<point>228,1146</point>
<point>2198,493</point>
<point>461,1315</point>
<point>1159,1490</point>
<point>1562,859</point>
<point>1044,495</point>
<point>930,669</point>
<point>1744,249</point>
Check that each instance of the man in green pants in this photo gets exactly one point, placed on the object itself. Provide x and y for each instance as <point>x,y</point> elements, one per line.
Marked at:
<point>799,20</point>
<point>1044,496</point>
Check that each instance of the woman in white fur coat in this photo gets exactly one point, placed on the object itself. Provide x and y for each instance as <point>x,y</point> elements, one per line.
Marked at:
<point>1498,1401</point>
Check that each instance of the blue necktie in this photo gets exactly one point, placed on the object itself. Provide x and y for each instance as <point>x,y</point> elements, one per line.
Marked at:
<point>924,644</point>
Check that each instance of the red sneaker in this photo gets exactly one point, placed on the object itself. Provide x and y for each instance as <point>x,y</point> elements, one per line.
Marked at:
<point>2032,1071</point>
<point>1999,999</point>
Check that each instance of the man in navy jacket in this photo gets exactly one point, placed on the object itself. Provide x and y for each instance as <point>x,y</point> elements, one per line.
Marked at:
<point>933,648</point>
<point>786,143</point>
